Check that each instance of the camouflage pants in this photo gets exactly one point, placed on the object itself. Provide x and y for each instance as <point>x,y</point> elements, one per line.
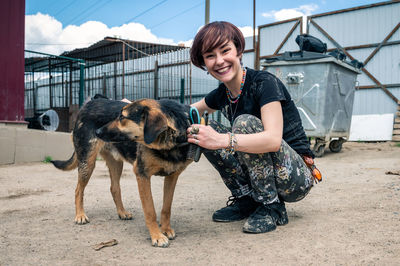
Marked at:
<point>269,177</point>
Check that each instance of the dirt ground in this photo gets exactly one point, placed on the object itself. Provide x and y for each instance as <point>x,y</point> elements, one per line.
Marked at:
<point>352,217</point>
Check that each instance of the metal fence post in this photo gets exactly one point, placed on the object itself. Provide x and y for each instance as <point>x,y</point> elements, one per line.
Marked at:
<point>156,80</point>
<point>104,84</point>
<point>115,80</point>
<point>81,82</point>
<point>70,84</point>
<point>123,71</point>
<point>50,87</point>
<point>182,90</point>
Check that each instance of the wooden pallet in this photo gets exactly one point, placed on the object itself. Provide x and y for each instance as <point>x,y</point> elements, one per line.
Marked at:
<point>396,125</point>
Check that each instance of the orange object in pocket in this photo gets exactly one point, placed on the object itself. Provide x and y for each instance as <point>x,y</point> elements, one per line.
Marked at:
<point>314,170</point>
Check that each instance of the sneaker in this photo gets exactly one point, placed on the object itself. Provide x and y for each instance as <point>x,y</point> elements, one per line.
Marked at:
<point>266,218</point>
<point>236,209</point>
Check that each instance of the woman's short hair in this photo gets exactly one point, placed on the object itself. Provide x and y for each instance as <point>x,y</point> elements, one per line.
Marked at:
<point>212,36</point>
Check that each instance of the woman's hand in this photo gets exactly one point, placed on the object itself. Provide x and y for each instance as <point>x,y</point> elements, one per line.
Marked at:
<point>207,137</point>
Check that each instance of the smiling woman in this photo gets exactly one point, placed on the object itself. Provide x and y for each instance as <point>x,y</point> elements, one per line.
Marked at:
<point>261,157</point>
<point>227,73</point>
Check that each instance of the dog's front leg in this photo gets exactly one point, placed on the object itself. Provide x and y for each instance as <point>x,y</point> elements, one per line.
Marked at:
<point>158,239</point>
<point>169,188</point>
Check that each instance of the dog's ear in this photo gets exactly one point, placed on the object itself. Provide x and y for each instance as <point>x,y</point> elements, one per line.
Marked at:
<point>154,124</point>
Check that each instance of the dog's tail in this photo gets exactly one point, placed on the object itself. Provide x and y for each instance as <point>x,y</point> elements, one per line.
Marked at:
<point>67,165</point>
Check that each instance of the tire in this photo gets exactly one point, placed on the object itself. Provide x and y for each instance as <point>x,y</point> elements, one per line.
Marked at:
<point>319,150</point>
<point>335,145</point>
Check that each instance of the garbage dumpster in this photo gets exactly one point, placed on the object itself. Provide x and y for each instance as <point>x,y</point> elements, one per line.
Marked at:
<point>322,88</point>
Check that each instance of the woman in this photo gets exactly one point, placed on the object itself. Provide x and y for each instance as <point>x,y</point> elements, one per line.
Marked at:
<point>260,157</point>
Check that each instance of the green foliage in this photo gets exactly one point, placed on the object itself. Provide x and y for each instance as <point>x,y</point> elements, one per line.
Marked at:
<point>398,144</point>
<point>47,159</point>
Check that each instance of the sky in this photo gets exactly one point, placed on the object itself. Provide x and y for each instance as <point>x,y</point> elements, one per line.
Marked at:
<point>53,26</point>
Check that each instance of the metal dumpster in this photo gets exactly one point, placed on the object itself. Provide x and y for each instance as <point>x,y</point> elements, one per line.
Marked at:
<point>322,88</point>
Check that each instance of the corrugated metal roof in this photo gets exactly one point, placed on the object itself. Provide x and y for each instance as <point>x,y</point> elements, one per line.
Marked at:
<point>110,50</point>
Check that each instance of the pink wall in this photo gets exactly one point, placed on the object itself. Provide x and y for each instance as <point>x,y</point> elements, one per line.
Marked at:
<point>12,26</point>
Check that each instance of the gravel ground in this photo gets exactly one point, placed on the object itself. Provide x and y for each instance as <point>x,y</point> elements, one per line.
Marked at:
<point>352,217</point>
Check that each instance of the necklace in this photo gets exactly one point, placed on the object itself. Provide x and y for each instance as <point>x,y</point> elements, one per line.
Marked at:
<point>235,100</point>
<point>232,112</point>
<point>228,93</point>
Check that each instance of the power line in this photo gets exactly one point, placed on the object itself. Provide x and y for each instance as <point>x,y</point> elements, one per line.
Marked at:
<point>181,13</point>
<point>65,7</point>
<point>91,5</point>
<point>87,10</point>
<point>51,7</point>
<point>135,17</point>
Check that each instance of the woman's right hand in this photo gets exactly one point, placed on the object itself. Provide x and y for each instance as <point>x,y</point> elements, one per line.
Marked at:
<point>207,137</point>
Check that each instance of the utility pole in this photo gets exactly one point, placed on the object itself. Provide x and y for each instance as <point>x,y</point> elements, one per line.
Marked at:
<point>207,13</point>
<point>254,36</point>
<point>254,24</point>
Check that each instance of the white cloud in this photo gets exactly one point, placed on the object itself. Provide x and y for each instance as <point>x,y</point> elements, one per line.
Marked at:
<point>283,14</point>
<point>44,33</point>
<point>186,43</point>
<point>247,31</point>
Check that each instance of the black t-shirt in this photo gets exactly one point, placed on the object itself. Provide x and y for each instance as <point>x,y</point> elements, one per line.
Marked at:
<point>260,88</point>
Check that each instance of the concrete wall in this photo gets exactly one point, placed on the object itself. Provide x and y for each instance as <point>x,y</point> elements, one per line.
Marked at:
<point>21,145</point>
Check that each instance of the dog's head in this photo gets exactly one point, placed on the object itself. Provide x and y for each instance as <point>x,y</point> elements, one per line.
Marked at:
<point>141,121</point>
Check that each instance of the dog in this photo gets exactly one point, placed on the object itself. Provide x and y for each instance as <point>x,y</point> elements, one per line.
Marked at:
<point>149,134</point>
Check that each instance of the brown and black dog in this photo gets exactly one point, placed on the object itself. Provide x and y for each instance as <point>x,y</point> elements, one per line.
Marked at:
<point>147,133</point>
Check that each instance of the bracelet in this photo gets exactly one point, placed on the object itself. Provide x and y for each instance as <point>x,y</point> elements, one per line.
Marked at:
<point>232,143</point>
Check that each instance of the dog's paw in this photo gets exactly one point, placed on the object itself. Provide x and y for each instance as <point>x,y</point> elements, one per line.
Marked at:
<point>125,215</point>
<point>170,233</point>
<point>160,241</point>
<point>81,219</point>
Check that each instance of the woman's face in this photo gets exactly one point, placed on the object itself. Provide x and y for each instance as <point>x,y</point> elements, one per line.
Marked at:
<point>223,63</point>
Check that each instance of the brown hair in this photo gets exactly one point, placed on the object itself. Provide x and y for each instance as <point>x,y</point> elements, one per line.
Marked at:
<point>212,36</point>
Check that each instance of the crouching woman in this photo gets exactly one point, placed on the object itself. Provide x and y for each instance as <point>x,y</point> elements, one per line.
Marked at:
<point>260,157</point>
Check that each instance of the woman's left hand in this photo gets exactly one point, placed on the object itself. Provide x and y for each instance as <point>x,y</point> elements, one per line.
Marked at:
<point>207,137</point>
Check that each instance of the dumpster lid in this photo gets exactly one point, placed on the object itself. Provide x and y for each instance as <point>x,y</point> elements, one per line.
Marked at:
<point>304,57</point>
<point>296,56</point>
